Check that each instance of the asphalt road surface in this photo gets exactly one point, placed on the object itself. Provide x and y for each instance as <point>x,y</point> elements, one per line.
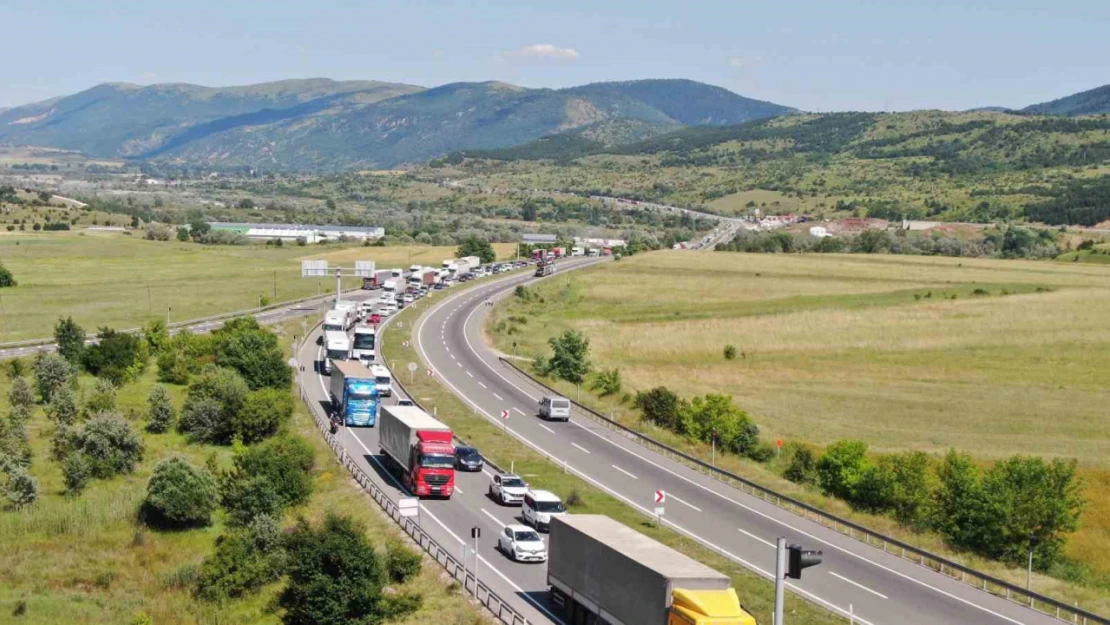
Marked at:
<point>880,588</point>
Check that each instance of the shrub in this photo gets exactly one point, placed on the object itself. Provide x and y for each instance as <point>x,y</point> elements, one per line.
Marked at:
<point>285,462</point>
<point>241,564</point>
<point>22,489</point>
<point>659,406</point>
<point>802,468</point>
<point>841,468</point>
<point>402,563</point>
<point>574,499</point>
<point>336,577</point>
<point>162,414</point>
<point>21,394</point>
<point>156,336</point>
<point>263,413</point>
<point>762,452</point>
<point>248,498</point>
<point>77,473</point>
<point>103,397</point>
<point>913,484</point>
<point>109,445</point>
<point>16,367</point>
<point>62,409</point>
<point>570,357</point>
<point>15,445</point>
<point>6,277</point>
<point>211,403</point>
<point>716,415</point>
<point>116,356</point>
<point>241,344</point>
<point>70,338</point>
<point>730,352</point>
<point>179,495</point>
<point>51,372</point>
<point>608,381</point>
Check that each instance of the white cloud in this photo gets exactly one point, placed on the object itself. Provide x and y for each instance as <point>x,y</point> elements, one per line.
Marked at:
<point>744,61</point>
<point>149,76</point>
<point>543,51</point>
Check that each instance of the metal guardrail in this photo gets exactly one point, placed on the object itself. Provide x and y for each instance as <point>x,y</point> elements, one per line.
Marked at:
<point>500,608</point>
<point>977,579</point>
<point>189,322</point>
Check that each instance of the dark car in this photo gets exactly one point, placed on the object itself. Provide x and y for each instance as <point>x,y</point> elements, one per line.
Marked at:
<point>468,459</point>
<point>439,286</point>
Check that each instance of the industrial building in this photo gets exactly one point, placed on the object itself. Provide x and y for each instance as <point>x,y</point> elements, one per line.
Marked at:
<point>292,232</point>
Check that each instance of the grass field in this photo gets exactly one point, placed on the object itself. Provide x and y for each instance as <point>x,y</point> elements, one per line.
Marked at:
<point>867,347</point>
<point>112,279</point>
<point>86,560</point>
<point>757,594</point>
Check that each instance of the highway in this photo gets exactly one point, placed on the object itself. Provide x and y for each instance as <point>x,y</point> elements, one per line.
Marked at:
<point>450,521</point>
<point>880,588</point>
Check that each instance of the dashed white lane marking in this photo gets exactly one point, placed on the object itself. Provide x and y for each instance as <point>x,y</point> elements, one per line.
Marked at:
<point>495,519</point>
<point>753,536</point>
<point>580,448</point>
<point>687,504</point>
<point>499,398</point>
<point>470,374</point>
<point>858,585</point>
<point>520,411</point>
<point>481,384</point>
<point>546,428</point>
<point>625,472</point>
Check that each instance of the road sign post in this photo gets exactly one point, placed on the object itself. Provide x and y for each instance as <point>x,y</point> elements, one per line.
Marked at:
<point>778,447</point>
<point>660,500</point>
<point>505,421</point>
<point>412,371</point>
<point>476,533</point>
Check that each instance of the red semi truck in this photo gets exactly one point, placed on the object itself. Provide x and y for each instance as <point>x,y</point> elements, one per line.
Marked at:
<point>418,448</point>
<point>377,280</point>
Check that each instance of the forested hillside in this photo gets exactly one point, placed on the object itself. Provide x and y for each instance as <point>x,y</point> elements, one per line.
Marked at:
<point>976,166</point>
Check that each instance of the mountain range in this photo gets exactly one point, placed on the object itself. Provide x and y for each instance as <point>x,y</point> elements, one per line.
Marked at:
<point>325,124</point>
<point>322,124</point>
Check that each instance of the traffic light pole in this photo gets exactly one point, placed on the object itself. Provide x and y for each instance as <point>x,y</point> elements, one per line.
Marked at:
<point>780,578</point>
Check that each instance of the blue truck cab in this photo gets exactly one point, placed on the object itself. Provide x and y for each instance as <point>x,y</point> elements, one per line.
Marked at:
<point>354,393</point>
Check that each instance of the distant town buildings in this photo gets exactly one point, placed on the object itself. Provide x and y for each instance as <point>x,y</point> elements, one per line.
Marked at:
<point>292,232</point>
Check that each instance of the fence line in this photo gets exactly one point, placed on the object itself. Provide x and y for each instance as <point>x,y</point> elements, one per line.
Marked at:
<point>977,579</point>
<point>501,609</point>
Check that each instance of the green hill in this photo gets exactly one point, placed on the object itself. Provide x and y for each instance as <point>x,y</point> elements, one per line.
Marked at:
<point>1093,102</point>
<point>926,165</point>
<point>322,124</point>
<point>119,119</point>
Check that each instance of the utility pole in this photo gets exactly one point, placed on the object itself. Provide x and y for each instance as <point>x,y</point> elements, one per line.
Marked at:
<point>790,561</point>
<point>275,285</point>
<point>149,303</point>
<point>168,309</point>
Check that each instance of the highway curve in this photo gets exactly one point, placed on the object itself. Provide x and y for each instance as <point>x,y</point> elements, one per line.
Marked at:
<point>881,588</point>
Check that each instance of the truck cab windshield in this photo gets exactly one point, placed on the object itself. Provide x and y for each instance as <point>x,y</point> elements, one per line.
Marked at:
<point>361,393</point>
<point>337,354</point>
<point>381,380</point>
<point>437,461</point>
<point>550,506</point>
<point>364,341</point>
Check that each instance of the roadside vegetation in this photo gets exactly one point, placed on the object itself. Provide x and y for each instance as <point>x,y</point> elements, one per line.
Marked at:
<point>157,480</point>
<point>872,369</point>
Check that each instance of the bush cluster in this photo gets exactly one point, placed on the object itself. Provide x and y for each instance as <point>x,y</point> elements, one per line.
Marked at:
<point>712,418</point>
<point>1005,511</point>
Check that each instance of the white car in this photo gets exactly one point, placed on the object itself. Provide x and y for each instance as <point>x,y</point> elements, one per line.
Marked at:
<point>522,544</point>
<point>507,489</point>
<point>408,298</point>
<point>538,508</point>
<point>386,310</point>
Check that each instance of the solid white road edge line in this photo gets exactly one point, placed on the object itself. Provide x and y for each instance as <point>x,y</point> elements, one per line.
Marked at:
<point>863,558</point>
<point>858,585</point>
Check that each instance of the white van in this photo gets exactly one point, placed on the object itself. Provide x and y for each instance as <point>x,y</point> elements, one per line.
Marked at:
<point>390,288</point>
<point>397,273</point>
<point>336,347</point>
<point>538,508</point>
<point>383,380</point>
<point>555,408</point>
<point>335,321</point>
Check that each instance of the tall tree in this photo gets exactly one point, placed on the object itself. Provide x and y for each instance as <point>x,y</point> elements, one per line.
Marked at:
<point>70,338</point>
<point>475,246</point>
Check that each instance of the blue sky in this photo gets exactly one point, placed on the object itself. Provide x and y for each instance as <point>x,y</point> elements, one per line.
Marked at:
<point>828,55</point>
